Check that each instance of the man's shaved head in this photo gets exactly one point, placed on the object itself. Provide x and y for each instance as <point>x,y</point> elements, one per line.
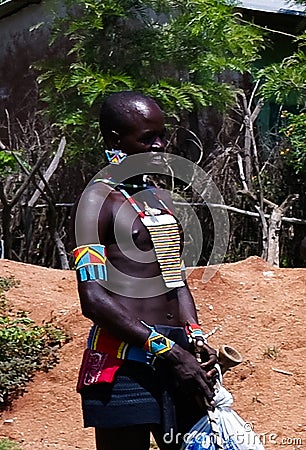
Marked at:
<point>119,110</point>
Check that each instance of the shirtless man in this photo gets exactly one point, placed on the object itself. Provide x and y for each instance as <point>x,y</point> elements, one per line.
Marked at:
<point>139,373</point>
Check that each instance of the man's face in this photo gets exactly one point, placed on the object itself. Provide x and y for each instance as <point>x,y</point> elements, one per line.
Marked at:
<point>146,132</point>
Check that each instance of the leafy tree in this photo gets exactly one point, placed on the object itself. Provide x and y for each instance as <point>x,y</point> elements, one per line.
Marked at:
<point>179,52</point>
<point>284,84</point>
<point>293,148</point>
<point>174,50</point>
<point>7,163</point>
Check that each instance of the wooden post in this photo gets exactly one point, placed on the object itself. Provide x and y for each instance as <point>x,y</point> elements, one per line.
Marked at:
<point>275,223</point>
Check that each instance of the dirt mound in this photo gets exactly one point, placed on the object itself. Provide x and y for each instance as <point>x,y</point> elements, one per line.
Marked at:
<point>257,309</point>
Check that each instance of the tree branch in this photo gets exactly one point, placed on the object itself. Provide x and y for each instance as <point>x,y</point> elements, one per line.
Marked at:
<point>49,172</point>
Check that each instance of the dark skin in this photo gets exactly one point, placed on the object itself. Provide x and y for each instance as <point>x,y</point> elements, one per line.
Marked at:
<point>106,217</point>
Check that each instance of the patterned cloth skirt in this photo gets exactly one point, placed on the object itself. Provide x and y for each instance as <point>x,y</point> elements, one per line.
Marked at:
<point>133,398</point>
<point>142,394</point>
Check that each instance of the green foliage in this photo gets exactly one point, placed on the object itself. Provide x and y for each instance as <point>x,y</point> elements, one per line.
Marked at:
<point>271,352</point>
<point>175,50</point>
<point>186,96</point>
<point>6,444</point>
<point>24,348</point>
<point>293,149</point>
<point>207,38</point>
<point>6,283</point>
<point>284,82</point>
<point>7,163</point>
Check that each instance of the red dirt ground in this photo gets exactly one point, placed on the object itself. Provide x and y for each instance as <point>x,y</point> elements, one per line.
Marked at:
<point>260,310</point>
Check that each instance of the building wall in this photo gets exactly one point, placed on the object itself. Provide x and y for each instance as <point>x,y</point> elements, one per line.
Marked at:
<point>22,43</point>
<point>288,6</point>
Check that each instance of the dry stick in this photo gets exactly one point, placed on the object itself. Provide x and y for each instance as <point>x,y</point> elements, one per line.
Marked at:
<point>247,143</point>
<point>245,175</point>
<point>199,145</point>
<point>232,209</point>
<point>8,206</point>
<point>44,184</point>
<point>242,125</point>
<point>61,251</point>
<point>210,205</point>
<point>254,116</point>
<point>38,187</point>
<point>268,29</point>
<point>2,195</point>
<point>253,94</point>
<point>49,172</point>
<point>57,239</point>
<point>250,135</point>
<point>40,190</point>
<point>24,168</point>
<point>8,128</point>
<point>53,218</point>
<point>172,174</point>
<point>27,180</point>
<point>275,223</point>
<point>28,214</point>
<point>258,208</point>
<point>241,172</point>
<point>271,232</point>
<point>264,232</point>
<point>282,371</point>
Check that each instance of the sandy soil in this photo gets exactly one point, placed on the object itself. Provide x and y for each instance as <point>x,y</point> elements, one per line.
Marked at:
<point>258,309</point>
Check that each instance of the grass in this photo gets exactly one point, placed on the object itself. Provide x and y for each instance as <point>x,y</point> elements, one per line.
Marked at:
<point>6,444</point>
<point>271,352</point>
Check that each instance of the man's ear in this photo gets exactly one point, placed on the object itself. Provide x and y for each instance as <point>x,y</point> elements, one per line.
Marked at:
<point>114,140</point>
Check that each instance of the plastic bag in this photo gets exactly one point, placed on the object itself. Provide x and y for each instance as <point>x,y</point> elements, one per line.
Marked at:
<point>235,433</point>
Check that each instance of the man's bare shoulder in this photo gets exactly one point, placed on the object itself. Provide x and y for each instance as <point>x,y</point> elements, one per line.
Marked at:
<point>93,212</point>
<point>96,194</point>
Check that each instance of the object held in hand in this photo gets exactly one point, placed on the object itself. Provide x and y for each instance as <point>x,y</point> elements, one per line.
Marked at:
<point>196,338</point>
<point>222,429</point>
<point>194,333</point>
<point>228,357</point>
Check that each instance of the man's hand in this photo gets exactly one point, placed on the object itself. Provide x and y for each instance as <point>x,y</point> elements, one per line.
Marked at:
<point>191,374</point>
<point>204,354</point>
<point>210,359</point>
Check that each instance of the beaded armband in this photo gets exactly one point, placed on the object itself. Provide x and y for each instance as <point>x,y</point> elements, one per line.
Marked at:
<point>90,262</point>
<point>158,344</point>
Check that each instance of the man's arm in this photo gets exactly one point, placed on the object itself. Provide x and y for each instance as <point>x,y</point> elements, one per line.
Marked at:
<point>187,308</point>
<point>92,223</point>
<point>189,319</point>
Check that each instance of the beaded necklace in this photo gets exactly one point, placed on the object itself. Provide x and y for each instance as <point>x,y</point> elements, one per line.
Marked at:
<point>164,233</point>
